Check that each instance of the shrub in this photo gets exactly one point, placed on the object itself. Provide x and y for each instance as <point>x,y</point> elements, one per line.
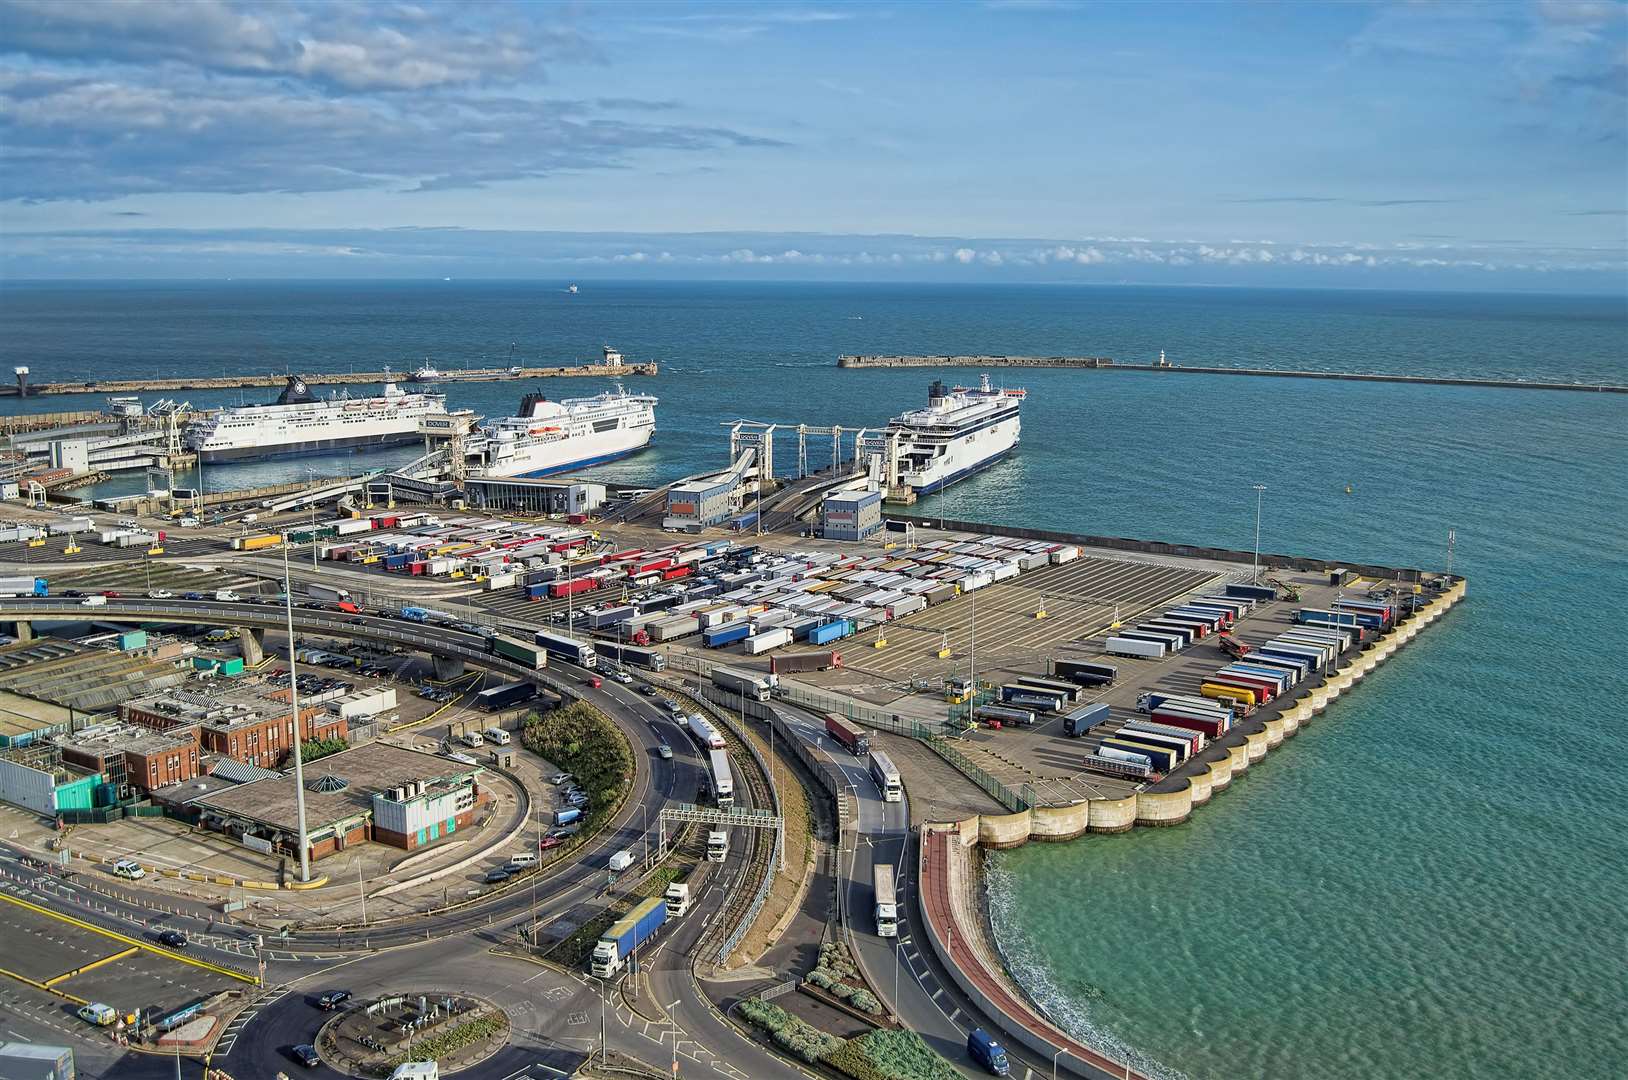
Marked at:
<point>841,991</point>
<point>584,742</point>
<point>820,979</point>
<point>865,1001</point>
<point>790,1033</point>
<point>891,1055</point>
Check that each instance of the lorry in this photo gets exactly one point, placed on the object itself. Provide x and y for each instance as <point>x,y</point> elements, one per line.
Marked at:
<point>749,684</point>
<point>626,934</point>
<point>566,815</point>
<point>501,697</point>
<point>567,648</point>
<point>1124,646</point>
<point>678,900</point>
<point>982,1048</point>
<point>24,586</point>
<point>521,652</point>
<point>717,845</point>
<point>887,908</point>
<point>325,593</point>
<point>855,740</point>
<point>805,661</point>
<point>1084,672</point>
<point>1083,719</point>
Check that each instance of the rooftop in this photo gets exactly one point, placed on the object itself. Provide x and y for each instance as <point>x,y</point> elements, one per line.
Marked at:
<point>117,738</point>
<point>368,769</point>
<point>218,711</point>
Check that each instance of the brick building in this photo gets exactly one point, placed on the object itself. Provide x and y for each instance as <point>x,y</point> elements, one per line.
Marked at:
<point>248,725</point>
<point>134,757</point>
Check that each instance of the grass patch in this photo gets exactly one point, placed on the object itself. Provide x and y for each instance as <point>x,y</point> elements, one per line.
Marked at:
<point>450,1042</point>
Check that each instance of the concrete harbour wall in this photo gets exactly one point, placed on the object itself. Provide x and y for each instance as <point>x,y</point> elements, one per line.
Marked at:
<point>1163,808</point>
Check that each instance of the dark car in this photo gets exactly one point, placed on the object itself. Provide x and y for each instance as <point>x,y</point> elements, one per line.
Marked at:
<point>173,938</point>
<point>73,593</point>
<point>497,874</point>
<point>333,999</point>
<point>647,690</point>
<point>305,1054</point>
<point>192,596</point>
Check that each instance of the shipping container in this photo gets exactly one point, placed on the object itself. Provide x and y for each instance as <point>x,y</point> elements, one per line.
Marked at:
<point>1211,725</point>
<point>1006,715</point>
<point>751,684</point>
<point>625,935</point>
<point>829,632</point>
<point>1115,763</point>
<point>855,739</point>
<point>1193,739</point>
<point>1230,692</point>
<point>1187,632</point>
<point>1071,691</point>
<point>1045,700</point>
<point>1132,734</point>
<point>1171,641</point>
<point>522,652</point>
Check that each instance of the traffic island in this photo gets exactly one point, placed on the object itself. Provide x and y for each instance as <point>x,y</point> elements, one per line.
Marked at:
<point>455,1031</point>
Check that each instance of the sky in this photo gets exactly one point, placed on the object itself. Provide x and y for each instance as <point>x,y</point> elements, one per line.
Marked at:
<point>1356,145</point>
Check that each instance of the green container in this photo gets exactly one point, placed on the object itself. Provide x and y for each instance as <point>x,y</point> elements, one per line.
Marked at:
<point>205,663</point>
<point>134,639</point>
<point>232,666</point>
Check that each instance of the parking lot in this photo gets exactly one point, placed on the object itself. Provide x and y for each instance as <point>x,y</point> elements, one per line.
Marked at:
<point>91,966</point>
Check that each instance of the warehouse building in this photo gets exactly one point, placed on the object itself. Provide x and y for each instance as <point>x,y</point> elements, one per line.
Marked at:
<point>851,515</point>
<point>699,502</point>
<point>537,495</point>
<point>25,720</point>
<point>249,725</point>
<point>36,778</point>
<point>405,798</point>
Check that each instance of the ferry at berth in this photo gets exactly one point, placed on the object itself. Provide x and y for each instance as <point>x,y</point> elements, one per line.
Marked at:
<point>961,431</point>
<point>554,436</point>
<point>298,422</point>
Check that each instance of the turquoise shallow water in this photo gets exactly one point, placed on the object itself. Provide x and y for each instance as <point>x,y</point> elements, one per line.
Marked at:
<point>1429,881</point>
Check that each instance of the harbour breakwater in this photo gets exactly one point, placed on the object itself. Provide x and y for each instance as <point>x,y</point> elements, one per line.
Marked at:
<point>325,378</point>
<point>1103,363</point>
<point>1174,801</point>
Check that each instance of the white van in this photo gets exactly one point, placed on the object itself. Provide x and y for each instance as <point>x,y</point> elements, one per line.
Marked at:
<point>621,861</point>
<point>129,869</point>
<point>417,1070</point>
<point>250,518</point>
<point>472,739</point>
<point>525,860</point>
<point>497,736</point>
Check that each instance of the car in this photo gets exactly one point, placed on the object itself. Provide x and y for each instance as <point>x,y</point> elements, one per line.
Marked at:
<point>175,939</point>
<point>192,596</point>
<point>129,869</point>
<point>648,691</point>
<point>564,832</point>
<point>594,681</point>
<point>73,594</point>
<point>664,752</point>
<point>110,594</point>
<point>160,594</point>
<point>332,999</point>
<point>497,874</point>
<point>559,778</point>
<point>550,841</point>
<point>577,800</point>
<point>305,1054</point>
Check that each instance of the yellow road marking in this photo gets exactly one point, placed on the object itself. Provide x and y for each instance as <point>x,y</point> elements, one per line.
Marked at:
<point>66,975</point>
<point>231,973</point>
<point>42,986</point>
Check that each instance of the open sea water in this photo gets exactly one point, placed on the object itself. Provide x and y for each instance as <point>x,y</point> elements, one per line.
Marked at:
<point>1429,881</point>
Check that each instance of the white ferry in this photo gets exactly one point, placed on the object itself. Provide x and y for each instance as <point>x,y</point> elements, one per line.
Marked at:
<point>961,431</point>
<point>300,423</point>
<point>553,436</point>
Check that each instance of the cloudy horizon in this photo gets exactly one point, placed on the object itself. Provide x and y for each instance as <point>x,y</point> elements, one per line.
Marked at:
<point>1473,146</point>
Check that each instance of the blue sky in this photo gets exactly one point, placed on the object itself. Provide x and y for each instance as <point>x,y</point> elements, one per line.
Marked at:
<point>1352,145</point>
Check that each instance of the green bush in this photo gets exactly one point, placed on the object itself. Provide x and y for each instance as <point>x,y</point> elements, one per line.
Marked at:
<point>770,1018</point>
<point>865,1001</point>
<point>790,1033</point>
<point>312,749</point>
<point>586,743</point>
<point>891,1055</point>
<point>820,979</point>
<point>841,991</point>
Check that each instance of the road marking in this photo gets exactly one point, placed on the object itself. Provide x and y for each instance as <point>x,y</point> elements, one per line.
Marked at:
<point>93,928</point>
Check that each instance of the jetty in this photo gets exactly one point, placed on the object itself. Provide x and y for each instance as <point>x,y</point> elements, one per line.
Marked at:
<point>1103,363</point>
<point>327,378</point>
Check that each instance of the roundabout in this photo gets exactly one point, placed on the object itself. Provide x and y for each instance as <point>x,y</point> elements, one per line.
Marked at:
<point>456,1031</point>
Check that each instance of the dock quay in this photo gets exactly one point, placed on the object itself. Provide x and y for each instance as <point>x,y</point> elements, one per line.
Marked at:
<point>330,378</point>
<point>1102,363</point>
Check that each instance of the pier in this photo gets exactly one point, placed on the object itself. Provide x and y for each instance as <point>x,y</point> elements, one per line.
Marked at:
<point>1102,363</point>
<point>331,378</point>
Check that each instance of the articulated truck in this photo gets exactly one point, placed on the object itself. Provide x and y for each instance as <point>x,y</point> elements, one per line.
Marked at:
<point>626,934</point>
<point>887,908</point>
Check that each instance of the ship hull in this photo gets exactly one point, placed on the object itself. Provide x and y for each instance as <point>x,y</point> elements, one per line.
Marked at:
<point>306,448</point>
<point>935,486</point>
<point>581,458</point>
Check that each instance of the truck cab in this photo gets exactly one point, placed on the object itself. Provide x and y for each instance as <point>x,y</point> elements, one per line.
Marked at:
<point>717,845</point>
<point>678,900</point>
<point>987,1052</point>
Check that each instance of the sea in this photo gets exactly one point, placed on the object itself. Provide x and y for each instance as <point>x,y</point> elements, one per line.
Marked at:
<point>1429,881</point>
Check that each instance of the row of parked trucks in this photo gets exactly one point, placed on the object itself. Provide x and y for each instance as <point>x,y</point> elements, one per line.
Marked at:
<point>1179,627</point>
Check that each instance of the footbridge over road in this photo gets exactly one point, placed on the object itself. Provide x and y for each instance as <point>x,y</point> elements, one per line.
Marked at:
<point>451,649</point>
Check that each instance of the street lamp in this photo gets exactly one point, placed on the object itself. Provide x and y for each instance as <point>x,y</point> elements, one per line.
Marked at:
<point>1260,490</point>
<point>1054,1058</point>
<point>294,707</point>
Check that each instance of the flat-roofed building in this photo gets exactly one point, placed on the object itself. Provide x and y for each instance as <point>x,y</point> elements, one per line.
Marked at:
<point>253,726</point>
